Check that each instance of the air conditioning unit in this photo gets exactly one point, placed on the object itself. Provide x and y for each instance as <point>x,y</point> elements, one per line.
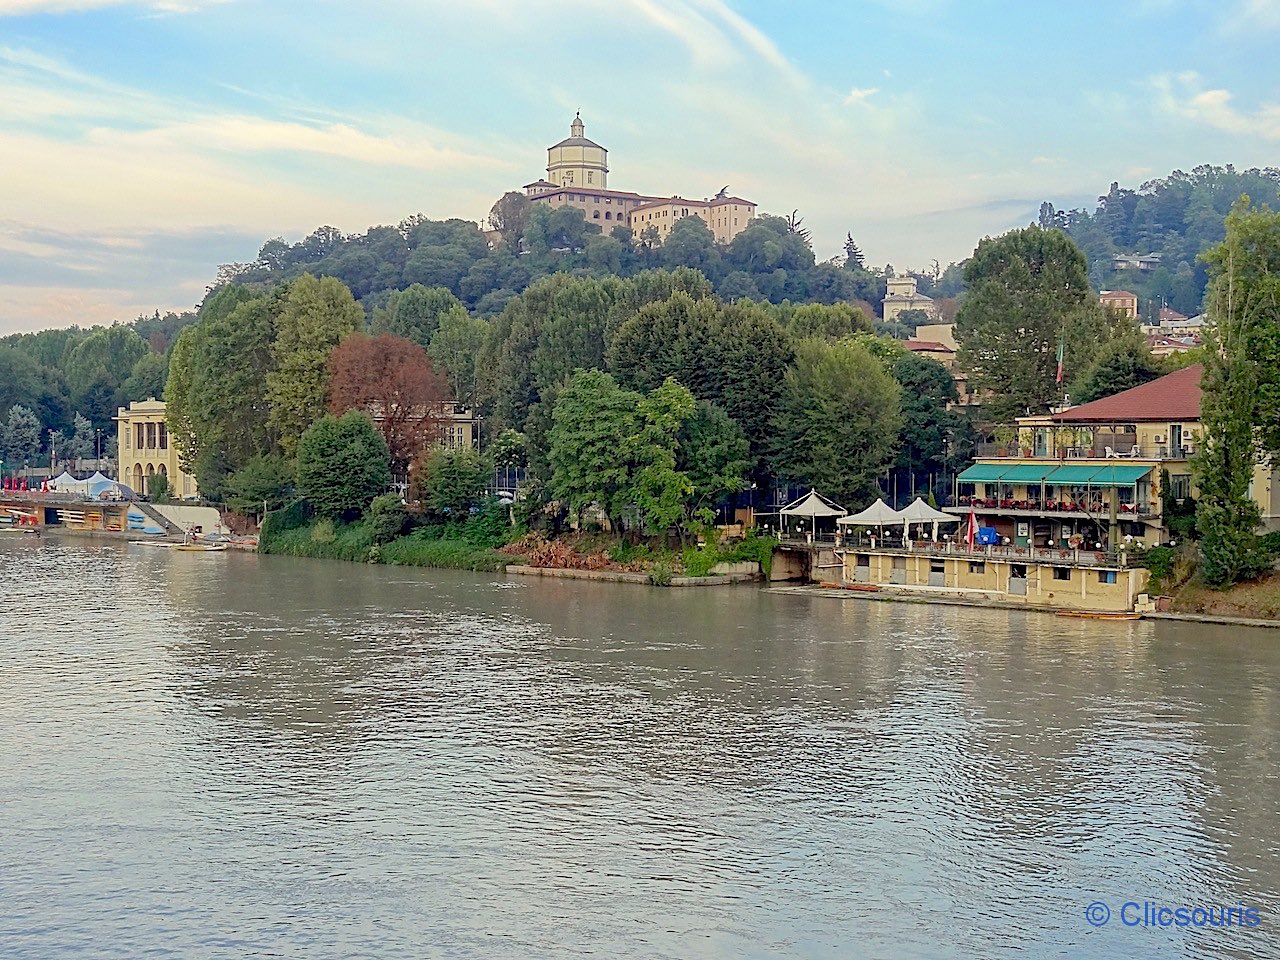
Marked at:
<point>1160,438</point>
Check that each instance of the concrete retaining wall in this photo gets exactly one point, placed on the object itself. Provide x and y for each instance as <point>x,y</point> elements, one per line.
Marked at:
<point>614,576</point>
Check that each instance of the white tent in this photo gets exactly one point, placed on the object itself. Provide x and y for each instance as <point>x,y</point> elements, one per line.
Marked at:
<point>920,512</point>
<point>66,483</point>
<point>813,504</point>
<point>879,514</point>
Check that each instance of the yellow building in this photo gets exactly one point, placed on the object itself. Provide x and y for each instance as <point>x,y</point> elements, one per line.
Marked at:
<point>578,176</point>
<point>144,449</point>
<point>1094,473</point>
<point>902,296</point>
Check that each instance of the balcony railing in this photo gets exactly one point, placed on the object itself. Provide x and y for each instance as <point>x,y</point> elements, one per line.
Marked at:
<point>1104,557</point>
<point>1095,507</point>
<point>1119,447</point>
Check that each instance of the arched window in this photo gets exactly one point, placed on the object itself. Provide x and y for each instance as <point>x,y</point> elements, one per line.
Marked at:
<point>608,214</point>
<point>595,215</point>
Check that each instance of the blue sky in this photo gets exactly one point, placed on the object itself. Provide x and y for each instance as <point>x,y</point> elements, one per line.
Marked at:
<point>143,142</point>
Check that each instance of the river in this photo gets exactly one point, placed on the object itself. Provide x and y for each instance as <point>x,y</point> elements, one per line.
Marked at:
<point>222,755</point>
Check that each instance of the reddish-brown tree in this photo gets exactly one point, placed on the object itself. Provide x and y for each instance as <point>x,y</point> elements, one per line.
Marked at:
<point>392,380</point>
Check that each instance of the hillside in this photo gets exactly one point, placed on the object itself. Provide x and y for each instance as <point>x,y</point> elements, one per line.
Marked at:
<point>1177,218</point>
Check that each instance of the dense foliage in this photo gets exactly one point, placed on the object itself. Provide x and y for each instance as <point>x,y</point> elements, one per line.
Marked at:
<point>1178,217</point>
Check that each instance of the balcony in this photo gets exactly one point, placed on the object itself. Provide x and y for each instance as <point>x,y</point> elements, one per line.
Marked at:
<point>1106,447</point>
<point>1106,557</point>
<point>1094,509</point>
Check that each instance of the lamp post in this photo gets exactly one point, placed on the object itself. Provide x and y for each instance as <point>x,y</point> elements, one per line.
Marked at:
<point>97,436</point>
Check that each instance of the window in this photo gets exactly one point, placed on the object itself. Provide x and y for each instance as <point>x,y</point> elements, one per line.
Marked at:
<point>937,566</point>
<point>591,176</point>
<point>1106,576</point>
<point>977,566</point>
<point>1062,573</point>
<point>164,436</point>
<point>608,214</point>
<point>137,433</point>
<point>151,436</point>
<point>128,437</point>
<point>595,215</point>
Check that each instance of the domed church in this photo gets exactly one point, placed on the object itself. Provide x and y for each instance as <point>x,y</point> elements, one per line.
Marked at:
<point>578,176</point>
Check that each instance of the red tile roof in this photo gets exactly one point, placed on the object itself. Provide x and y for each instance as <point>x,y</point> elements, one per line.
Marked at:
<point>1173,397</point>
<point>930,346</point>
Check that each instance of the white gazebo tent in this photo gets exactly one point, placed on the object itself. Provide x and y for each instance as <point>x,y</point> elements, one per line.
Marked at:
<point>920,512</point>
<point>878,515</point>
<point>69,484</point>
<point>813,507</point>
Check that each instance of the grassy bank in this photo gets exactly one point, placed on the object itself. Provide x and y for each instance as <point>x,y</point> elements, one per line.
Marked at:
<point>1256,599</point>
<point>486,542</point>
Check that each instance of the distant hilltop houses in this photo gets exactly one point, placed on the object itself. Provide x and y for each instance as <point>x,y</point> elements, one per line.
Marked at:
<point>578,176</point>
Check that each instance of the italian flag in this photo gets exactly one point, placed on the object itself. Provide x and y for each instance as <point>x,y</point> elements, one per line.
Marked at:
<point>1061,344</point>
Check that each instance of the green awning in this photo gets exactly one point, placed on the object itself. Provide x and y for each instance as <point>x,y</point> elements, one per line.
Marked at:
<point>982,473</point>
<point>1026,472</point>
<point>1095,475</point>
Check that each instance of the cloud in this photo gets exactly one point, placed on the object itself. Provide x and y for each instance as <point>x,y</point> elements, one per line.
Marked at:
<point>1252,16</point>
<point>860,95</point>
<point>1183,95</point>
<point>21,8</point>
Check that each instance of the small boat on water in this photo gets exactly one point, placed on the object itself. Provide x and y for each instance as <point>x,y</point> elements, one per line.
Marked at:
<point>201,547</point>
<point>1100,615</point>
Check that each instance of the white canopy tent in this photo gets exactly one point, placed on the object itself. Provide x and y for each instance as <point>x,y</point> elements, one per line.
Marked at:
<point>813,507</point>
<point>879,514</point>
<point>920,512</point>
<point>66,483</point>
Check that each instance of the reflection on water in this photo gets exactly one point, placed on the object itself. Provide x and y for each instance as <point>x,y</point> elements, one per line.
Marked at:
<point>225,755</point>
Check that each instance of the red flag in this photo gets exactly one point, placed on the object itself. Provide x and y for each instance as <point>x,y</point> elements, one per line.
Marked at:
<point>972,532</point>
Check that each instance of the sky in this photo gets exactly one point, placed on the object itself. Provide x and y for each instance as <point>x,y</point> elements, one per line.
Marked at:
<point>145,142</point>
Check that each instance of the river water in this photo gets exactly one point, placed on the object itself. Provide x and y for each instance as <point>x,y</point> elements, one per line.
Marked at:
<point>221,755</point>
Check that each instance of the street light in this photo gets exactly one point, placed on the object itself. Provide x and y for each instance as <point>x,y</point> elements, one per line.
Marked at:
<point>98,448</point>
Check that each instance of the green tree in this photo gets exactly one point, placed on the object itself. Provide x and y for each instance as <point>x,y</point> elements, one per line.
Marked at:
<point>316,316</point>
<point>929,426</point>
<point>508,216</point>
<point>714,454</point>
<point>21,437</point>
<point>838,420</point>
<point>99,365</point>
<point>658,492</point>
<point>1028,290</point>
<point>81,444</point>
<point>264,480</point>
<point>456,348</point>
<point>828,321</point>
<point>158,488</point>
<point>449,483</point>
<point>592,418</point>
<point>343,463</point>
<point>1244,310</point>
<point>1119,366</point>
<point>146,380</point>
<point>416,313</point>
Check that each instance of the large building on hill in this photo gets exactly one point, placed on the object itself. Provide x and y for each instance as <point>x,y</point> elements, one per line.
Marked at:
<point>578,176</point>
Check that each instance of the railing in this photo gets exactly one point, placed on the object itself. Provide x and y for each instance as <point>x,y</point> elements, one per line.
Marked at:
<point>1080,556</point>
<point>1035,504</point>
<point>1105,447</point>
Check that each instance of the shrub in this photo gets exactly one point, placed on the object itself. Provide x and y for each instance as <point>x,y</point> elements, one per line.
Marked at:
<point>388,517</point>
<point>343,464</point>
<point>296,514</point>
<point>661,573</point>
<point>158,488</point>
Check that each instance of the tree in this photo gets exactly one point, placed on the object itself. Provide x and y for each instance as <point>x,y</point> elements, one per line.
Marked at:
<point>713,452</point>
<point>391,379</point>
<point>99,365</point>
<point>147,378</point>
<point>343,463</point>
<point>82,442</point>
<point>1119,366</point>
<point>853,258</point>
<point>928,424</point>
<point>264,483</point>
<point>21,436</point>
<point>456,348</point>
<point>658,492</point>
<point>316,316</point>
<point>1244,310</point>
<point>415,313</point>
<point>830,322</point>
<point>591,418</point>
<point>508,216</point>
<point>158,488</point>
<point>449,483</point>
<point>838,420</point>
<point>691,244</point>
<point>1028,291</point>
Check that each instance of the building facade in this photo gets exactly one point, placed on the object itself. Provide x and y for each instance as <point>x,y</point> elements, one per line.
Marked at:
<point>1121,301</point>
<point>144,449</point>
<point>902,296</point>
<point>1095,473</point>
<point>578,176</point>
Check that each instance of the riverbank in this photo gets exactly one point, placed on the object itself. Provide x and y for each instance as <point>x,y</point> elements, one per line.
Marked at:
<point>961,598</point>
<point>481,545</point>
<point>1254,600</point>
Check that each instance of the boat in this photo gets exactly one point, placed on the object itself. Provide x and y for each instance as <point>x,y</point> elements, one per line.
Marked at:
<point>1100,614</point>
<point>201,547</point>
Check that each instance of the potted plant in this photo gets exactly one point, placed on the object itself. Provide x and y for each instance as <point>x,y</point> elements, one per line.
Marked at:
<point>1006,438</point>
